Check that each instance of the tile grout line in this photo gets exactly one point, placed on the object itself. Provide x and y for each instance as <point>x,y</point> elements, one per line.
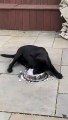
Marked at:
<point>58,86</point>
<point>54,40</point>
<point>36,39</point>
<point>10,116</point>
<point>11,113</point>
<point>57,97</point>
<point>63,93</point>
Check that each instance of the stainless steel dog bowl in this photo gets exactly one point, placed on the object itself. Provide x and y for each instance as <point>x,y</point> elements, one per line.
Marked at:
<point>35,78</point>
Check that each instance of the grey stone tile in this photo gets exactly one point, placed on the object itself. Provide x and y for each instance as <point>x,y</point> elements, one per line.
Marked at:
<point>62,105</point>
<point>3,67</point>
<point>32,33</point>
<point>4,116</point>
<point>47,34</point>
<point>44,41</point>
<point>25,97</point>
<point>32,117</point>
<point>64,70</point>
<point>57,35</point>
<point>63,88</point>
<point>11,33</point>
<point>65,57</point>
<point>16,69</point>
<point>4,39</point>
<point>16,42</point>
<point>57,67</point>
<point>55,55</point>
<point>60,43</point>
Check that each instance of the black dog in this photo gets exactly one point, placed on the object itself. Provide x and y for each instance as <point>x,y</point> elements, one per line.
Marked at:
<point>33,57</point>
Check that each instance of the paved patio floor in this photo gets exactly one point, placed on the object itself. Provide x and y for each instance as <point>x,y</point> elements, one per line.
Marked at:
<point>46,100</point>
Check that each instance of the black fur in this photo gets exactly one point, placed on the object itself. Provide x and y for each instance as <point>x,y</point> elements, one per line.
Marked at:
<point>33,57</point>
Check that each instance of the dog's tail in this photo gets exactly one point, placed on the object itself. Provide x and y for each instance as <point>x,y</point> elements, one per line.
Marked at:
<point>7,55</point>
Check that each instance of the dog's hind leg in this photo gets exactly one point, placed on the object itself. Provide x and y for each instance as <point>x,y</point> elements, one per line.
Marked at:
<point>55,72</point>
<point>17,56</point>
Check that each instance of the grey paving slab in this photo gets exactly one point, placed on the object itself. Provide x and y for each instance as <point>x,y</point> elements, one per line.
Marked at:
<point>44,41</point>
<point>63,88</point>
<point>55,55</point>
<point>3,67</point>
<point>32,33</point>
<point>32,117</point>
<point>65,57</point>
<point>60,43</point>
<point>4,39</point>
<point>16,69</point>
<point>64,70</point>
<point>16,42</point>
<point>57,67</point>
<point>47,34</point>
<point>25,97</point>
<point>57,35</point>
<point>4,116</point>
<point>11,33</point>
<point>62,105</point>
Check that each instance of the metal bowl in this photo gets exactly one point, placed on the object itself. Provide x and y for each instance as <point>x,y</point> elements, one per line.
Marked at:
<point>35,78</point>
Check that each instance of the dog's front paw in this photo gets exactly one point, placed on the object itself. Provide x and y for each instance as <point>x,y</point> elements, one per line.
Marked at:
<point>9,70</point>
<point>59,76</point>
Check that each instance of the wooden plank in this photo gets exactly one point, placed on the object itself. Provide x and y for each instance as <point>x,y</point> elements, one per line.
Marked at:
<point>22,1</point>
<point>32,20</point>
<point>12,22</point>
<point>1,20</point>
<point>38,2</point>
<point>6,1</point>
<point>44,2</point>
<point>40,20</point>
<point>18,2</point>
<point>7,6</point>
<point>12,1</point>
<point>47,20</point>
<point>52,2</point>
<point>26,24</point>
<point>1,1</point>
<point>37,7</point>
<point>31,1</point>
<point>19,19</point>
<point>4,19</point>
<point>55,20</point>
<point>59,1</point>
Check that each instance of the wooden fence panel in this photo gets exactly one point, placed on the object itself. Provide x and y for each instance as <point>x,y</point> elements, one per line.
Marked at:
<point>26,20</point>
<point>6,1</point>
<point>12,21</point>
<point>55,23</point>
<point>4,19</point>
<point>19,19</point>
<point>31,1</point>
<point>45,2</point>
<point>32,19</point>
<point>1,1</point>
<point>47,20</point>
<point>40,20</point>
